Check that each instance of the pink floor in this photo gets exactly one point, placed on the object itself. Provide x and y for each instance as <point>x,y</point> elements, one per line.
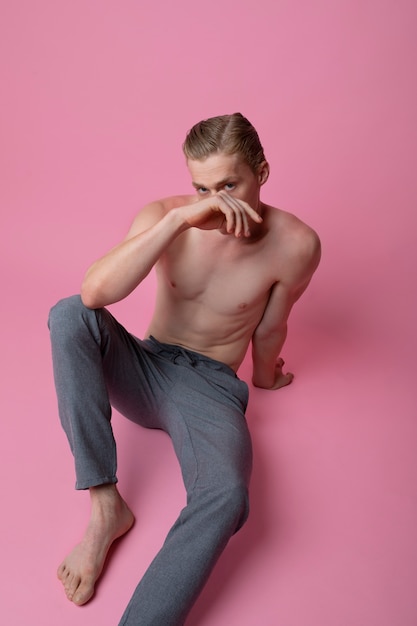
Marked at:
<point>96,98</point>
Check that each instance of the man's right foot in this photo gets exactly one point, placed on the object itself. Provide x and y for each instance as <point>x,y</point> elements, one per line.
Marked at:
<point>110,519</point>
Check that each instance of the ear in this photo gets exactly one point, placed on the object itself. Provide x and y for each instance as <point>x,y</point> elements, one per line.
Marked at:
<point>263,173</point>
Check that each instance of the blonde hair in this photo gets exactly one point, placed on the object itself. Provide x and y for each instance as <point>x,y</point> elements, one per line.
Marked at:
<point>231,134</point>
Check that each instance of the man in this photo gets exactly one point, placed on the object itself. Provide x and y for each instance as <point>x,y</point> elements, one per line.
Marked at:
<point>229,269</point>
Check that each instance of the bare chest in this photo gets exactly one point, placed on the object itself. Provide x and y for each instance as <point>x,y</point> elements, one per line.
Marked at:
<point>229,279</point>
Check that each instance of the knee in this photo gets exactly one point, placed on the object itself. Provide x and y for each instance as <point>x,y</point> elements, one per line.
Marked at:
<point>235,504</point>
<point>65,316</point>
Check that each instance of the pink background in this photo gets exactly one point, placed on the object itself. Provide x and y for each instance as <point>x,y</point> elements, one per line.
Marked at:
<point>96,97</point>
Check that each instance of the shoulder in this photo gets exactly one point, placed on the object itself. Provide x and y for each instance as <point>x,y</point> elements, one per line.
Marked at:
<point>293,235</point>
<point>154,211</point>
<point>164,205</point>
<point>297,245</point>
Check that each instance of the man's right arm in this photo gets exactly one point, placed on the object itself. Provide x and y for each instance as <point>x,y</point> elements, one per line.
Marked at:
<point>115,275</point>
<point>122,269</point>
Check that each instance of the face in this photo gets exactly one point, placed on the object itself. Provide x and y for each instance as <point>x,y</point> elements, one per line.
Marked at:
<point>230,173</point>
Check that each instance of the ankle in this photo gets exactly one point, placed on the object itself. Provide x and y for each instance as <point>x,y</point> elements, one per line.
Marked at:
<point>106,490</point>
<point>105,497</point>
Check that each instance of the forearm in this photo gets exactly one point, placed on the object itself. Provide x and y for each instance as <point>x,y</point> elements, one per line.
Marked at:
<point>266,349</point>
<point>122,269</point>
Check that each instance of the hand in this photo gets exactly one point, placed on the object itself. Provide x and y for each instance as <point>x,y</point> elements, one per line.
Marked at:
<point>281,379</point>
<point>221,211</point>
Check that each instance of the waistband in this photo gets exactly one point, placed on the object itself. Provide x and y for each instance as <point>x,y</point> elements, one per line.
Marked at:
<point>173,352</point>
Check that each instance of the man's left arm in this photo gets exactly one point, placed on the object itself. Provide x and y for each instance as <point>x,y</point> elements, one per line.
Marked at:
<point>271,332</point>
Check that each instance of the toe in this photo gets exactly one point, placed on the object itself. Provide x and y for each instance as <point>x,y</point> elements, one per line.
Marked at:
<point>71,584</point>
<point>83,594</point>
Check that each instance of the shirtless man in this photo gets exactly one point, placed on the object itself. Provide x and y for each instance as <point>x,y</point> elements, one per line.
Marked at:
<point>229,269</point>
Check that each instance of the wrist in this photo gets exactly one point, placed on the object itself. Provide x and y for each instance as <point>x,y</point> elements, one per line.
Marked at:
<point>177,221</point>
<point>264,380</point>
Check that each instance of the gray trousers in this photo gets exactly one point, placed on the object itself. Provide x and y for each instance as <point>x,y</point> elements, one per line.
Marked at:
<point>199,402</point>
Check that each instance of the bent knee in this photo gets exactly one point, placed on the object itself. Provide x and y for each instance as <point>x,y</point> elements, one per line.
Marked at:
<point>65,307</point>
<point>235,504</point>
<point>66,314</point>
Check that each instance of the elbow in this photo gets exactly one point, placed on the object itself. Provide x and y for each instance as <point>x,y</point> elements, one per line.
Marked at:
<point>87,300</point>
<point>89,304</point>
<point>90,295</point>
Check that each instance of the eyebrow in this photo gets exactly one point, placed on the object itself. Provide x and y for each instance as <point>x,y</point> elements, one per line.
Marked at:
<point>221,183</point>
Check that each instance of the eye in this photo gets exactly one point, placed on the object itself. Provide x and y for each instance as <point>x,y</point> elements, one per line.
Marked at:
<point>202,190</point>
<point>229,186</point>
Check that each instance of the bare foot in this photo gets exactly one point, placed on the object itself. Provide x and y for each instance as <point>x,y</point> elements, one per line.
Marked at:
<point>110,518</point>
